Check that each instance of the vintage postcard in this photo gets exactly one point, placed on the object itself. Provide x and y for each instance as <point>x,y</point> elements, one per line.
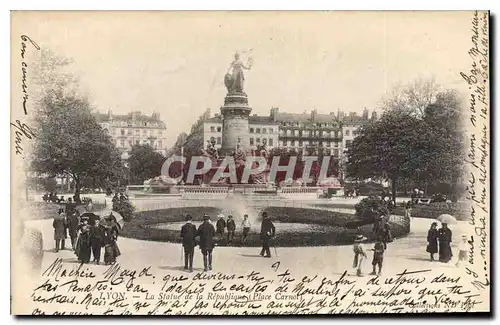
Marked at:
<point>250,163</point>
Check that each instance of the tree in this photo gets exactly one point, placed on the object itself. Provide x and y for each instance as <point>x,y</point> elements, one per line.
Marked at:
<point>144,163</point>
<point>71,143</point>
<point>412,98</point>
<point>391,147</point>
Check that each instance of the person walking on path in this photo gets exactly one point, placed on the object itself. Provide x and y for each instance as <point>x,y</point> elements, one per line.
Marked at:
<point>188,235</point>
<point>206,232</point>
<point>59,225</point>
<point>267,231</point>
<point>220,226</point>
<point>246,228</point>
<point>444,236</point>
<point>378,257</point>
<point>432,240</point>
<point>359,254</point>
<point>231,228</point>
<point>96,240</point>
<point>73,224</point>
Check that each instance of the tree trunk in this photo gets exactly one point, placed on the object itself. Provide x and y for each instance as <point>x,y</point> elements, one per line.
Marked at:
<point>394,186</point>
<point>77,191</point>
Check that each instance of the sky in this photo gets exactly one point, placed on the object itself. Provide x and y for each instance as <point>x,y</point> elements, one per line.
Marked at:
<point>174,63</point>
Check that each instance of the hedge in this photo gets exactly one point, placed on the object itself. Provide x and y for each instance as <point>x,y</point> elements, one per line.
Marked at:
<point>332,227</point>
<point>434,210</point>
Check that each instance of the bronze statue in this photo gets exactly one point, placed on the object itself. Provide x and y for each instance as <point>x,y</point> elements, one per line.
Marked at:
<point>262,149</point>
<point>211,151</point>
<point>234,81</point>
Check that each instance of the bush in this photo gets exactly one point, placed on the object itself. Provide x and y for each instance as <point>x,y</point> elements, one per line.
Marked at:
<point>371,208</point>
<point>123,206</point>
<point>434,210</point>
<point>327,228</point>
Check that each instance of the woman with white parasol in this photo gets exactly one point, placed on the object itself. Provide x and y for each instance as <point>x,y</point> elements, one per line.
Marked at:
<point>444,236</point>
<point>113,223</point>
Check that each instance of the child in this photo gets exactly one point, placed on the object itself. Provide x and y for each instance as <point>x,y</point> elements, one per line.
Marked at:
<point>359,254</point>
<point>462,251</point>
<point>378,257</point>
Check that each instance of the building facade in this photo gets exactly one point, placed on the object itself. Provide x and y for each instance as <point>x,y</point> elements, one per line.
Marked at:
<point>306,133</point>
<point>134,129</point>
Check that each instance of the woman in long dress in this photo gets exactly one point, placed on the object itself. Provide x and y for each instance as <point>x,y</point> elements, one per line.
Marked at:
<point>111,250</point>
<point>432,240</point>
<point>444,235</point>
<point>83,247</point>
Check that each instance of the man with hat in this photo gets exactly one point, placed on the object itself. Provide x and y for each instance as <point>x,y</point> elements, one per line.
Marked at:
<point>220,225</point>
<point>267,231</point>
<point>206,232</point>
<point>231,228</point>
<point>188,234</point>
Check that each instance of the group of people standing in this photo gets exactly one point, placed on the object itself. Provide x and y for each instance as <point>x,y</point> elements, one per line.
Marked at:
<point>439,241</point>
<point>230,225</point>
<point>87,234</point>
<point>207,236</point>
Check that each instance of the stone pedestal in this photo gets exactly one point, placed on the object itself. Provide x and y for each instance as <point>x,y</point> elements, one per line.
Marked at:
<point>235,114</point>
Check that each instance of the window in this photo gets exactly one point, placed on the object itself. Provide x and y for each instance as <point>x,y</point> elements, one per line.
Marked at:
<point>137,132</point>
<point>336,152</point>
<point>348,143</point>
<point>328,143</point>
<point>212,139</point>
<point>122,132</point>
<point>270,141</point>
<point>212,129</point>
<point>152,142</point>
<point>271,130</point>
<point>300,143</point>
<point>219,129</point>
<point>251,130</point>
<point>347,132</point>
<point>144,132</point>
<point>251,141</point>
<point>137,142</point>
<point>327,152</point>
<point>336,144</point>
<point>219,140</point>
<point>129,132</point>
<point>292,143</point>
<point>160,132</point>
<point>258,140</point>
<point>264,130</point>
<point>160,144</point>
<point>296,133</point>
<point>257,130</point>
<point>122,143</point>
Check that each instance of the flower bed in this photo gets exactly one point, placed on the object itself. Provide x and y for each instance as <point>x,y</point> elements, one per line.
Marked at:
<point>330,228</point>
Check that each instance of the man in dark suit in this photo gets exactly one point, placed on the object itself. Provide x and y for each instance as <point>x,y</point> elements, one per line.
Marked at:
<point>220,225</point>
<point>96,240</point>
<point>231,228</point>
<point>188,234</point>
<point>206,232</point>
<point>267,231</point>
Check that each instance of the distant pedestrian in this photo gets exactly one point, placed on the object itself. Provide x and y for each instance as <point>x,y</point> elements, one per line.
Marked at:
<point>73,224</point>
<point>220,226</point>
<point>59,225</point>
<point>96,240</point>
<point>267,231</point>
<point>111,250</point>
<point>245,225</point>
<point>206,232</point>
<point>462,251</point>
<point>378,257</point>
<point>231,228</point>
<point>188,235</point>
<point>432,240</point>
<point>359,254</point>
<point>444,236</point>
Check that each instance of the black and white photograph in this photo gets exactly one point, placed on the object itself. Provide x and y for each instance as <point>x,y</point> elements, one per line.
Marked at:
<point>175,163</point>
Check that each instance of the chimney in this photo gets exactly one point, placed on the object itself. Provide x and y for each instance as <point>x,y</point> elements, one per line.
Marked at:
<point>365,114</point>
<point>374,115</point>
<point>314,112</point>
<point>156,116</point>
<point>110,114</point>
<point>274,113</point>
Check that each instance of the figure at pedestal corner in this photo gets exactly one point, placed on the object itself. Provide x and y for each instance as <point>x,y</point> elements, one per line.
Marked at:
<point>262,149</point>
<point>239,154</point>
<point>211,151</point>
<point>234,81</point>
